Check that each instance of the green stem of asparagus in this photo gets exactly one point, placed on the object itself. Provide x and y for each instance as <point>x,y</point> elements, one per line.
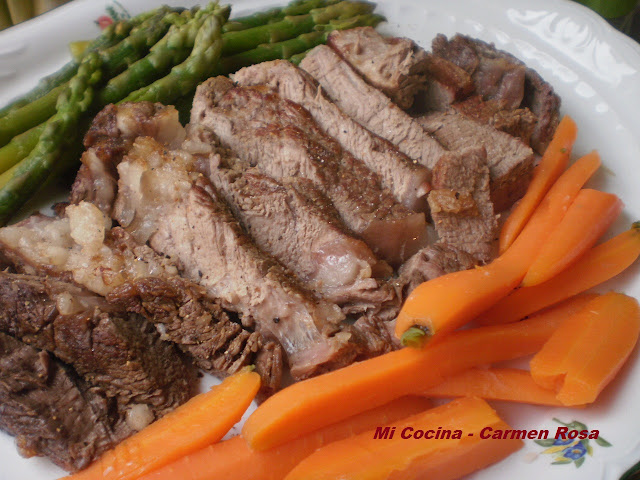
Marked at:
<point>195,69</point>
<point>19,147</point>
<point>294,46</point>
<point>171,50</point>
<point>291,26</point>
<point>19,183</point>
<point>297,7</point>
<point>139,41</point>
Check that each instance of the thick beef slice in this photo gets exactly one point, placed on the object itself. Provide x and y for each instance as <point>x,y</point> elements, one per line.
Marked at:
<point>431,262</point>
<point>370,107</point>
<point>501,76</point>
<point>296,224</point>
<point>494,77</point>
<point>446,84</point>
<point>162,201</point>
<point>184,314</point>
<point>199,326</point>
<point>396,66</point>
<point>281,139</point>
<point>460,203</point>
<point>519,123</point>
<point>510,161</point>
<point>118,352</point>
<point>407,180</point>
<point>110,136</point>
<point>134,277</point>
<point>49,409</point>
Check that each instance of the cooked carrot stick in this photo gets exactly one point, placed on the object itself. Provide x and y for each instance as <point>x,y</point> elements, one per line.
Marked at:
<point>203,420</point>
<point>448,302</point>
<point>587,351</point>
<point>588,218</point>
<point>314,403</point>
<point>553,163</point>
<point>598,265</point>
<point>454,447</point>
<point>234,459</point>
<point>510,384</point>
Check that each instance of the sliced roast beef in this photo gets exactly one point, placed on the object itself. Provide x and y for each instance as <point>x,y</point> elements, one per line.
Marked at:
<point>501,76</point>
<point>281,138</point>
<point>134,277</point>
<point>295,223</point>
<point>49,409</point>
<point>407,180</point>
<point>460,203</point>
<point>519,123</point>
<point>370,107</point>
<point>110,136</point>
<point>396,66</point>
<point>510,161</point>
<point>446,84</point>
<point>115,351</point>
<point>185,315</point>
<point>164,201</point>
<point>431,262</point>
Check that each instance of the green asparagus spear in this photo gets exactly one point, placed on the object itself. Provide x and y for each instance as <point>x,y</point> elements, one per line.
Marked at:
<point>292,26</point>
<point>21,181</point>
<point>140,40</point>
<point>171,50</point>
<point>19,147</point>
<point>297,7</point>
<point>195,69</point>
<point>115,59</point>
<point>294,46</point>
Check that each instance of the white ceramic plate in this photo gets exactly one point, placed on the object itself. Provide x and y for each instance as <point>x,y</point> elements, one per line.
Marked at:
<point>596,72</point>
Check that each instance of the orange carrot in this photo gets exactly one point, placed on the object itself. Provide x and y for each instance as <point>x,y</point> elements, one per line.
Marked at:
<point>509,384</point>
<point>553,163</point>
<point>448,302</point>
<point>203,420</point>
<point>314,403</point>
<point>587,351</point>
<point>598,265</point>
<point>443,443</point>
<point>589,217</point>
<point>234,459</point>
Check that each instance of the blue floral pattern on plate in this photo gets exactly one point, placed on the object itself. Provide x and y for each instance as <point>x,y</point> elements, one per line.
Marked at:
<point>568,450</point>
